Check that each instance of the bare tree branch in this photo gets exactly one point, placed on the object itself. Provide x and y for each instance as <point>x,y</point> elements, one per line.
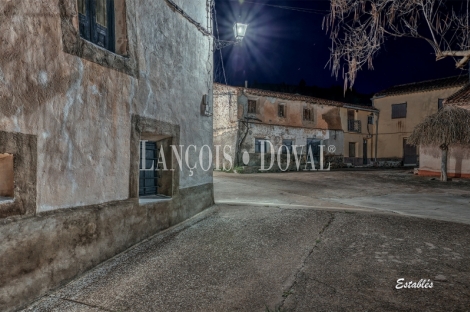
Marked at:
<point>358,29</point>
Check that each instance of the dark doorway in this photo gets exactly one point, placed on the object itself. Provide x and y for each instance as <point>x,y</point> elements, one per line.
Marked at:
<point>410,156</point>
<point>314,144</point>
<point>364,153</point>
<point>352,150</point>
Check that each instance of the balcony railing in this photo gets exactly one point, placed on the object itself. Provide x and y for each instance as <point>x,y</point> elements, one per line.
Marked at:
<point>354,125</point>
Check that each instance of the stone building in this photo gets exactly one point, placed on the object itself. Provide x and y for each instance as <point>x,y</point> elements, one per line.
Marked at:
<point>402,108</point>
<point>82,83</point>
<point>252,120</point>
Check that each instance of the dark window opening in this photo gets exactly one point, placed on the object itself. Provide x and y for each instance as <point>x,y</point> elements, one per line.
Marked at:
<point>96,22</point>
<point>370,120</point>
<point>308,114</point>
<point>399,110</point>
<point>351,114</point>
<point>259,143</point>
<point>6,177</point>
<point>440,104</point>
<point>287,146</point>
<point>313,145</point>
<point>148,169</point>
<point>352,149</point>
<point>282,110</point>
<point>251,107</point>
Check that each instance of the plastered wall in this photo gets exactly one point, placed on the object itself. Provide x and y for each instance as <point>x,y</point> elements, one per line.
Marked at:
<point>393,131</point>
<point>80,110</point>
<point>458,163</point>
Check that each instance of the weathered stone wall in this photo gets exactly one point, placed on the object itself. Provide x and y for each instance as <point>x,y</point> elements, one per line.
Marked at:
<point>42,252</point>
<point>23,147</point>
<point>80,111</point>
<point>225,114</point>
<point>230,123</point>
<point>75,102</point>
<point>324,116</point>
<point>6,175</point>
<point>275,134</point>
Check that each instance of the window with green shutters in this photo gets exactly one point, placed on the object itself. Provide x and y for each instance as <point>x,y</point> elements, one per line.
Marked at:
<point>96,19</point>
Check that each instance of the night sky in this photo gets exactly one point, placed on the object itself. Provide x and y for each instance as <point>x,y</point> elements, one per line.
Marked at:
<point>286,46</point>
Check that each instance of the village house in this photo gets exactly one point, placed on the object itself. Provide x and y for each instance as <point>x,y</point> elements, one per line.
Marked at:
<point>458,162</point>
<point>83,86</point>
<point>402,108</point>
<point>252,120</point>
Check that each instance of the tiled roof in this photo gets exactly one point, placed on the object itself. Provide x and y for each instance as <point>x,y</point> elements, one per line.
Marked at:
<point>423,86</point>
<point>461,97</point>
<point>303,98</point>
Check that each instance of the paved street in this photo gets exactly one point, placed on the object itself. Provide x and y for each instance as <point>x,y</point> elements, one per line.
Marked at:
<point>396,191</point>
<point>298,241</point>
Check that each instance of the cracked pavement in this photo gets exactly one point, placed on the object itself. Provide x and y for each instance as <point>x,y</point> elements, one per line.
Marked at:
<point>294,243</point>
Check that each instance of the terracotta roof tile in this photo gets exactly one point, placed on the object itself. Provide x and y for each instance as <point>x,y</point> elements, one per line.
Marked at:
<point>423,86</point>
<point>461,97</point>
<point>296,97</point>
<point>303,98</point>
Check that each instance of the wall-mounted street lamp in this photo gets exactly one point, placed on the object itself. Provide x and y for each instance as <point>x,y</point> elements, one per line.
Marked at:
<point>239,30</point>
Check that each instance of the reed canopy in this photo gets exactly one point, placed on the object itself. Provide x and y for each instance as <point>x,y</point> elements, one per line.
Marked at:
<point>451,125</point>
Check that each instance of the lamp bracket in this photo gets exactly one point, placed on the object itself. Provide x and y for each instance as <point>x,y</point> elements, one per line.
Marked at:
<point>220,44</point>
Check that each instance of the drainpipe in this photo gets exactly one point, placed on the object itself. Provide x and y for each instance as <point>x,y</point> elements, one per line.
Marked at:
<point>376,126</point>
<point>239,145</point>
<point>376,134</point>
<point>240,139</point>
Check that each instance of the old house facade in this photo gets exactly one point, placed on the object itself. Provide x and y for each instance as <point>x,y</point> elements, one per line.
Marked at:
<point>252,120</point>
<point>458,162</point>
<point>402,108</point>
<point>83,85</point>
<point>359,126</point>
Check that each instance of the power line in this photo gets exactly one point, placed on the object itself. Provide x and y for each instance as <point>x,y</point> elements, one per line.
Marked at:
<point>298,9</point>
<point>220,50</point>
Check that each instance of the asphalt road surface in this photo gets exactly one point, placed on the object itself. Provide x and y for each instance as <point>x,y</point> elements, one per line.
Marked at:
<point>296,242</point>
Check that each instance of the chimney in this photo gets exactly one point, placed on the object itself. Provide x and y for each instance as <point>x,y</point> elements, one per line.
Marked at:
<point>246,84</point>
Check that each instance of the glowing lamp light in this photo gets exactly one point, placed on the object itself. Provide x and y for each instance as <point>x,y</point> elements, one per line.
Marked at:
<point>240,31</point>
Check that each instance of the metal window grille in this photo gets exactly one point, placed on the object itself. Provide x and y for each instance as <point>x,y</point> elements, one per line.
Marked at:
<point>354,126</point>
<point>258,144</point>
<point>251,107</point>
<point>287,145</point>
<point>399,110</point>
<point>148,179</point>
